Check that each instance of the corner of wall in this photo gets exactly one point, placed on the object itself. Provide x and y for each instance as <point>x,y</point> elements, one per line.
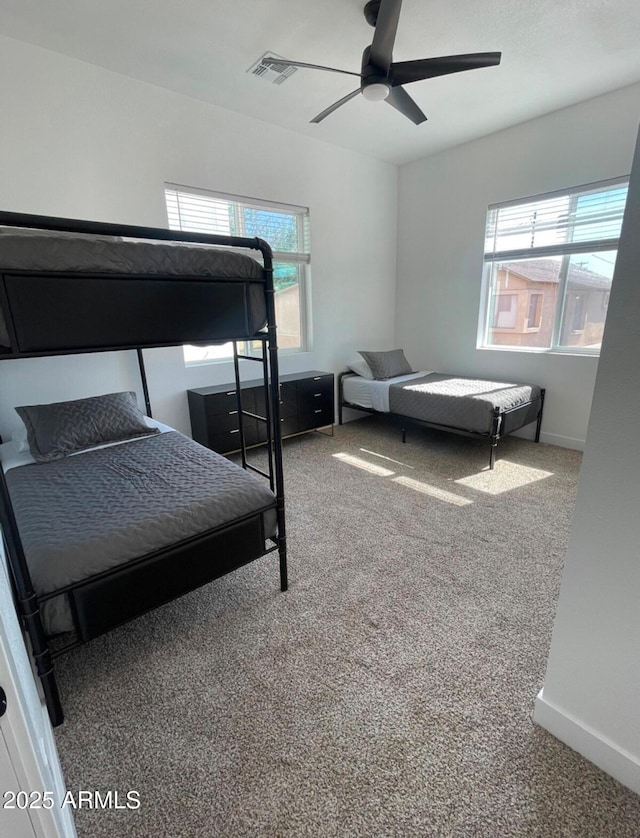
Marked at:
<point>589,743</point>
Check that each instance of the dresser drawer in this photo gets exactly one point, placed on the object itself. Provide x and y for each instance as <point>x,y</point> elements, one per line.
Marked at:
<point>319,387</point>
<point>289,425</point>
<point>230,440</point>
<point>222,422</point>
<point>315,418</point>
<point>288,400</point>
<point>217,404</point>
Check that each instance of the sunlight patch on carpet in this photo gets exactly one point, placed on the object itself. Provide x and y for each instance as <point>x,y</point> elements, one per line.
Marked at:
<point>505,477</point>
<point>384,457</point>
<point>358,462</point>
<point>432,491</point>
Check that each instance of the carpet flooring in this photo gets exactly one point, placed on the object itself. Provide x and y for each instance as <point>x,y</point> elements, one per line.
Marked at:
<point>389,692</point>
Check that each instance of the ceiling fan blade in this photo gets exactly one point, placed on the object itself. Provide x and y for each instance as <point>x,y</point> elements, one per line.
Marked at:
<point>335,106</point>
<point>385,34</point>
<point>399,99</point>
<point>281,62</point>
<point>404,72</point>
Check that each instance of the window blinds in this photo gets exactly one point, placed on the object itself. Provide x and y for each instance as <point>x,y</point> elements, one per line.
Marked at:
<point>588,219</point>
<point>284,227</point>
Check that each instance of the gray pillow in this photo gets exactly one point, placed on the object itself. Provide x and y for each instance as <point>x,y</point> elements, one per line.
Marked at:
<point>59,429</point>
<point>387,364</point>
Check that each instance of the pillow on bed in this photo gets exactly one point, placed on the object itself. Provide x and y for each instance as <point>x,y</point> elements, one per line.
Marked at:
<point>59,429</point>
<point>387,364</point>
<point>361,368</point>
<point>20,439</point>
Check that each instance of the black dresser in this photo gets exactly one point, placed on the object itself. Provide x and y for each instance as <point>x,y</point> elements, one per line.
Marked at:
<point>306,403</point>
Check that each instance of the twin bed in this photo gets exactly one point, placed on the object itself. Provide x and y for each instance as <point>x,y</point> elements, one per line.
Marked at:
<point>488,410</point>
<point>105,513</point>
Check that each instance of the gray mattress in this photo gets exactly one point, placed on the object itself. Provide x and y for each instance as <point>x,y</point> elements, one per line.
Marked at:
<point>463,403</point>
<point>38,251</point>
<point>93,511</point>
<point>29,250</point>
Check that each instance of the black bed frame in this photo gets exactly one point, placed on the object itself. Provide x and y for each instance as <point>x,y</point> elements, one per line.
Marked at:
<point>111,598</point>
<point>503,422</point>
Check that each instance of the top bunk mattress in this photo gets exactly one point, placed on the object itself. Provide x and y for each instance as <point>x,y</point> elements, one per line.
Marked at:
<point>32,250</point>
<point>66,292</point>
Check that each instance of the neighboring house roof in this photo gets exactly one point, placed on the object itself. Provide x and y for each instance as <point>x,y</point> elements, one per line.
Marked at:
<point>546,270</point>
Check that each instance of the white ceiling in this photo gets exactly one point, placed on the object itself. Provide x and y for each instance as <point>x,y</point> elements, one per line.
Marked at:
<point>554,53</point>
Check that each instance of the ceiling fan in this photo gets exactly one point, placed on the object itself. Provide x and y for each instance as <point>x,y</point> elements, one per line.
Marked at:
<point>381,77</point>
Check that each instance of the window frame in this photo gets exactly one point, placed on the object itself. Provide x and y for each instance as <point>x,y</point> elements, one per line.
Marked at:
<point>538,296</point>
<point>300,258</point>
<point>566,250</point>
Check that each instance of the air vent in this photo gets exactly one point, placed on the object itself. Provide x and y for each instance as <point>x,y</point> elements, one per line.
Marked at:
<point>275,73</point>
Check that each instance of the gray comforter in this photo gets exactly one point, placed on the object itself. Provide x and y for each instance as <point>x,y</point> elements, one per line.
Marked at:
<point>463,403</point>
<point>87,513</point>
<point>30,250</point>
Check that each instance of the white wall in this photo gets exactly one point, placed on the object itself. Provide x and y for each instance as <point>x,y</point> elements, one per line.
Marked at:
<point>591,695</point>
<point>81,142</point>
<point>443,204</point>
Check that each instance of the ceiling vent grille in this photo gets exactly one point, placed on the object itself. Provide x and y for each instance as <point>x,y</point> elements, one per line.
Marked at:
<point>275,73</point>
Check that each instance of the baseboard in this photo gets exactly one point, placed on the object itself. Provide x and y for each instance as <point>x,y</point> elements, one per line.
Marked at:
<point>563,441</point>
<point>599,750</point>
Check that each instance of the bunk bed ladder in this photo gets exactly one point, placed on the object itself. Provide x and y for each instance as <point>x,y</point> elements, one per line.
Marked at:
<point>267,419</point>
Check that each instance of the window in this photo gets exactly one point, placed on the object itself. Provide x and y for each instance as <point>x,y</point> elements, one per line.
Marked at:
<point>284,227</point>
<point>506,308</point>
<point>535,310</point>
<point>549,263</point>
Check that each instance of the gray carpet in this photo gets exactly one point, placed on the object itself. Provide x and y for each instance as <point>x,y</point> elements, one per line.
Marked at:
<point>389,692</point>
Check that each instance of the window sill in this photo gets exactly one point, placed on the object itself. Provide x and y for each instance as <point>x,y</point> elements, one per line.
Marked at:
<point>206,362</point>
<point>536,350</point>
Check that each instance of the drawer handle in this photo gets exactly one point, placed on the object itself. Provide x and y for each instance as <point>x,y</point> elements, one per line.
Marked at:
<point>237,431</point>
<point>318,378</point>
<point>318,411</point>
<point>232,412</point>
<point>230,393</point>
<point>317,395</point>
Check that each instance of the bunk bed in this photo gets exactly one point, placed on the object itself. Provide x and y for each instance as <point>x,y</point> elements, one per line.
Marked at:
<point>108,514</point>
<point>472,407</point>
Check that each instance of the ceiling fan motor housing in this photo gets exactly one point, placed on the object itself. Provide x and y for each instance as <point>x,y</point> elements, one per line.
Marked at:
<point>371,12</point>
<point>371,75</point>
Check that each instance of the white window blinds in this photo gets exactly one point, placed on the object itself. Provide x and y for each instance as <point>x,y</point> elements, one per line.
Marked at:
<point>558,223</point>
<point>284,227</point>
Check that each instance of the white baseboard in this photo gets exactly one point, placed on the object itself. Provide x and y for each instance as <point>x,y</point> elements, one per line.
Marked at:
<point>563,441</point>
<point>599,750</point>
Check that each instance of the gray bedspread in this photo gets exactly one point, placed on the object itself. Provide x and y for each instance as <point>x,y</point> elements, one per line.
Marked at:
<point>90,512</point>
<point>45,251</point>
<point>35,251</point>
<point>463,403</point>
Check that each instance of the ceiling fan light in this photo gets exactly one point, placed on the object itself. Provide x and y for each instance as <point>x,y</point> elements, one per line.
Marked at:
<point>376,92</point>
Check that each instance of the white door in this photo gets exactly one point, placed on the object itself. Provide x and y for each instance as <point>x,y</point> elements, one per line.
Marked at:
<point>13,820</point>
<point>28,756</point>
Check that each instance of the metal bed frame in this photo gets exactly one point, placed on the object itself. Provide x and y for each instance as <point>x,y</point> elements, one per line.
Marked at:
<point>503,422</point>
<point>116,596</point>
